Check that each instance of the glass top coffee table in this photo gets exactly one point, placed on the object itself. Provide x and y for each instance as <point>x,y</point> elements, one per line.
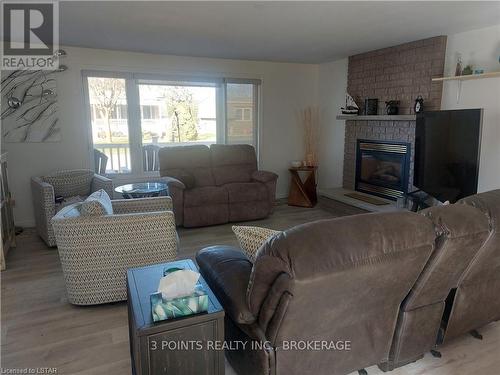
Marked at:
<point>142,190</point>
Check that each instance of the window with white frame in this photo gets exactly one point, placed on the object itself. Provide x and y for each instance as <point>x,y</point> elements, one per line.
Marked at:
<point>241,109</point>
<point>130,114</point>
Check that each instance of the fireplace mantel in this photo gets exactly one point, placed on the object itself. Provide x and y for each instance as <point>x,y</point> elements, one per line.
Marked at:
<point>378,117</point>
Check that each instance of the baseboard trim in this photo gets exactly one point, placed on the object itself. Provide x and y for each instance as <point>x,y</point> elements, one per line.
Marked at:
<point>25,223</point>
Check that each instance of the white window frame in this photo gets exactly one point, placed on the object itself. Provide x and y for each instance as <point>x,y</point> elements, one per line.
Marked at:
<point>256,115</point>
<point>132,82</point>
<point>86,93</point>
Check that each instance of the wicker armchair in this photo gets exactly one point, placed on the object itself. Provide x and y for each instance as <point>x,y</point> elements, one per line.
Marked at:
<point>96,251</point>
<point>65,184</point>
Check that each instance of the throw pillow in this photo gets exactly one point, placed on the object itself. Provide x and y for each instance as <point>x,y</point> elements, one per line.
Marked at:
<point>251,239</point>
<point>72,210</point>
<point>97,204</point>
<point>71,183</point>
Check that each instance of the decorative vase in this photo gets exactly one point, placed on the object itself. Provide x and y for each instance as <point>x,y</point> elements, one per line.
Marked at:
<point>310,160</point>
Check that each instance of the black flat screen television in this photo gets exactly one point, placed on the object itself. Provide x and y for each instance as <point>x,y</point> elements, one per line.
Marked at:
<point>447,149</point>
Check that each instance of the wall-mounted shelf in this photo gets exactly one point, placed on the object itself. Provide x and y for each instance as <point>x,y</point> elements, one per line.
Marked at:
<point>459,79</point>
<point>378,117</point>
<point>468,77</point>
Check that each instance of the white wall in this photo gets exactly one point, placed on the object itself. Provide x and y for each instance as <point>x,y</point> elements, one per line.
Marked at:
<point>286,89</point>
<point>482,49</point>
<point>332,89</point>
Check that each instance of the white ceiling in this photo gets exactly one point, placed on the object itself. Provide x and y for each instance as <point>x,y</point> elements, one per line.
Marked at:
<point>310,32</point>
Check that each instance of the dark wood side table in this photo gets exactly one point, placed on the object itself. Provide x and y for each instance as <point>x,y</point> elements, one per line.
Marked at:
<point>303,193</point>
<point>156,348</point>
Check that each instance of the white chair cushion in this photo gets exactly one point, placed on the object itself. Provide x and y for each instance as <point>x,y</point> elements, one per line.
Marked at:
<point>97,204</point>
<point>72,210</point>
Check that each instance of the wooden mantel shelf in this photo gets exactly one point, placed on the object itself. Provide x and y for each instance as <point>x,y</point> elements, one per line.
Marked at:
<point>378,117</point>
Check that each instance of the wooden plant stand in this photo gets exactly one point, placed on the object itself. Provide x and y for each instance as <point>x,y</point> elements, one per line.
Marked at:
<point>303,193</point>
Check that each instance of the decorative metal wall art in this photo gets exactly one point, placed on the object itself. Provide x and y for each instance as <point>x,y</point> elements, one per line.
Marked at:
<point>29,105</point>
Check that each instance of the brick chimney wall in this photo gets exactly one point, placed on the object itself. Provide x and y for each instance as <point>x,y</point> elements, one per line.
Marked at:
<point>396,73</point>
<point>399,73</point>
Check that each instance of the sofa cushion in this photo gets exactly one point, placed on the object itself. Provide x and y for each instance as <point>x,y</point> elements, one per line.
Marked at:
<point>251,239</point>
<point>251,210</point>
<point>246,192</point>
<point>97,204</point>
<point>205,196</point>
<point>187,163</point>
<point>201,216</point>
<point>233,163</point>
<point>70,183</point>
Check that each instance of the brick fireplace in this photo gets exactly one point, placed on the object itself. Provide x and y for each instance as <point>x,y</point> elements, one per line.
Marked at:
<point>383,130</point>
<point>396,73</point>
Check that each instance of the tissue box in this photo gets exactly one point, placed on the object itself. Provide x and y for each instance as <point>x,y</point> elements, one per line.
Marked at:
<point>163,309</point>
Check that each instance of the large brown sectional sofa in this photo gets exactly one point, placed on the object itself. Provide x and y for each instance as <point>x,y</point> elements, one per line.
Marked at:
<point>394,285</point>
<point>216,184</point>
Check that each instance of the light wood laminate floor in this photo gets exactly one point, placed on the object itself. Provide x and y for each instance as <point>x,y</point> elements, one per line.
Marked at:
<point>39,328</point>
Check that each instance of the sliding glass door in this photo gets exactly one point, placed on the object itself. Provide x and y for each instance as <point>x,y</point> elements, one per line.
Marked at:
<point>133,116</point>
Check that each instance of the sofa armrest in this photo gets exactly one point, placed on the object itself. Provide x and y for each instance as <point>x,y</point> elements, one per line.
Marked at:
<point>138,205</point>
<point>172,182</point>
<point>176,191</point>
<point>264,176</point>
<point>101,182</point>
<point>269,179</point>
<point>132,229</point>
<point>45,208</point>
<point>43,189</point>
<point>227,270</point>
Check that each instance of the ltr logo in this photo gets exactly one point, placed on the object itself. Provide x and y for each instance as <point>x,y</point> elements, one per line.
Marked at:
<point>30,35</point>
<point>29,29</point>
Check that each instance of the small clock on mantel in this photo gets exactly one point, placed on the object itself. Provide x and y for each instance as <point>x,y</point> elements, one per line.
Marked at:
<point>419,104</point>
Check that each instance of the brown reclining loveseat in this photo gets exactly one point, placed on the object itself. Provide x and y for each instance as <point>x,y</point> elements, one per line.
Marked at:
<point>216,185</point>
